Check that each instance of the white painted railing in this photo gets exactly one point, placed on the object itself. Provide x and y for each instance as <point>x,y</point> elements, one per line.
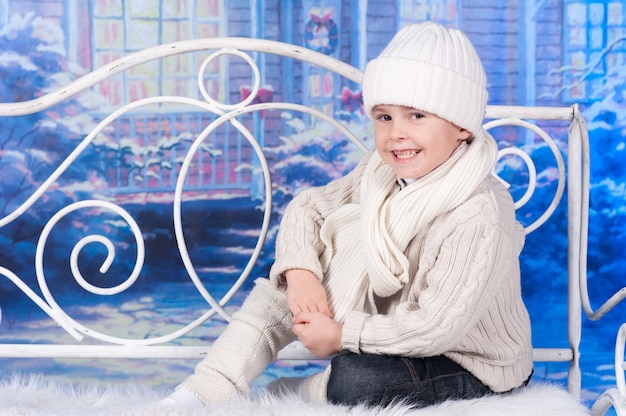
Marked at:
<point>572,176</point>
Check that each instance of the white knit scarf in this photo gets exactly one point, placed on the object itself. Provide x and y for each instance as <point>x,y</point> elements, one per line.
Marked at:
<point>365,243</point>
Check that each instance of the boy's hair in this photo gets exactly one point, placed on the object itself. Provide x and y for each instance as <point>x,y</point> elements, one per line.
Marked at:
<point>433,69</point>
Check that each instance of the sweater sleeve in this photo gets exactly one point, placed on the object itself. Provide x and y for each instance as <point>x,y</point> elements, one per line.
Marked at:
<point>298,243</point>
<point>466,260</point>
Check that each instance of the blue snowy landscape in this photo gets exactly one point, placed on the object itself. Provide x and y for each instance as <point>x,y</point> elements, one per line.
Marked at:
<point>222,223</point>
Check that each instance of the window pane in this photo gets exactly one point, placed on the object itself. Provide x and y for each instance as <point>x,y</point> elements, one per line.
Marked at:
<point>149,69</point>
<point>576,14</point>
<point>109,33</point>
<point>578,59</point>
<point>207,30</point>
<point>208,8</point>
<point>596,14</point>
<point>108,7</point>
<point>451,11</point>
<point>112,89</point>
<point>103,58</point>
<point>142,88</point>
<point>615,14</point>
<point>440,11</point>
<point>144,34</point>
<point>614,33</point>
<point>615,61</point>
<point>437,11</point>
<point>174,8</point>
<point>329,85</point>
<point>315,87</point>
<point>176,87</point>
<point>577,36</point>
<point>173,31</point>
<point>596,57</point>
<point>213,67</point>
<point>148,9</point>
<point>596,38</point>
<point>413,10</point>
<point>177,65</point>
<point>214,89</point>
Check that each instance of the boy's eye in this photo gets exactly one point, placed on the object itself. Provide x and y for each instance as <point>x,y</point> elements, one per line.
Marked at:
<point>383,117</point>
<point>417,115</point>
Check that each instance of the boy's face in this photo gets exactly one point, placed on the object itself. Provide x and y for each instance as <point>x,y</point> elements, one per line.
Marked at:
<point>413,142</point>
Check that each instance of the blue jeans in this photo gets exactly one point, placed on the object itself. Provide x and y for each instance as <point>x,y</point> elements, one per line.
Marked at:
<point>379,380</point>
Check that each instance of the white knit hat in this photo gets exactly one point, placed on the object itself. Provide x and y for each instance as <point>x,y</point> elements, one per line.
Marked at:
<point>433,69</point>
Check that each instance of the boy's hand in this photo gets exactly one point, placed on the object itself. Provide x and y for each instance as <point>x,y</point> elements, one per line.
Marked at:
<point>318,333</point>
<point>305,293</point>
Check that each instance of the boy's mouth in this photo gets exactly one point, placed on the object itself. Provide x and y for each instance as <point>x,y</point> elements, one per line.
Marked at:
<point>405,154</point>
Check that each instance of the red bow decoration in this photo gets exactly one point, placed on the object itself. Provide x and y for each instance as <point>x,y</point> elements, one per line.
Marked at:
<point>352,100</point>
<point>263,95</point>
<point>321,21</point>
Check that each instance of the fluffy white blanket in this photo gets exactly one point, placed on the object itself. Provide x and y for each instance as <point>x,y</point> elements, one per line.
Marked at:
<point>38,395</point>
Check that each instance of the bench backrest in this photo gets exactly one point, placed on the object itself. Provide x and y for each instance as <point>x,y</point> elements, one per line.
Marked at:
<point>208,147</point>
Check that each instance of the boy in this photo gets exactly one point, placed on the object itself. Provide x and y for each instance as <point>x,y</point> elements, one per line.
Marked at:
<point>406,268</point>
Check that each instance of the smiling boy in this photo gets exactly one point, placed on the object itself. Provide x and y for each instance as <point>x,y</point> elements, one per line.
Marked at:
<point>406,270</point>
<point>413,142</point>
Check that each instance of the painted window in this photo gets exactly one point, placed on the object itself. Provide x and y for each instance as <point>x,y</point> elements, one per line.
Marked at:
<point>321,33</point>
<point>594,47</point>
<point>444,12</point>
<point>121,28</point>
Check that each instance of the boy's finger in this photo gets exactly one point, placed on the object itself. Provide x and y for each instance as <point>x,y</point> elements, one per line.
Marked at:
<point>297,329</point>
<point>301,318</point>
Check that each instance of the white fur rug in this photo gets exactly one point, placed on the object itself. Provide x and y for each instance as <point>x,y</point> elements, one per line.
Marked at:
<point>38,395</point>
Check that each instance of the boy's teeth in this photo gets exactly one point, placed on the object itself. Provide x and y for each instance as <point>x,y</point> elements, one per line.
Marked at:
<point>406,154</point>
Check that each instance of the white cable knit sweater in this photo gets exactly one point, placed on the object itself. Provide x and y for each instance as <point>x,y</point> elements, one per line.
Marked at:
<point>463,295</point>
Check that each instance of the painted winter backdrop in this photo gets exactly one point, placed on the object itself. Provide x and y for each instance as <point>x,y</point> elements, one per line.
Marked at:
<point>222,228</point>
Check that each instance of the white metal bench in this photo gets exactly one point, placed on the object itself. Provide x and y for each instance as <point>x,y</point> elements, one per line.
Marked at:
<point>93,343</point>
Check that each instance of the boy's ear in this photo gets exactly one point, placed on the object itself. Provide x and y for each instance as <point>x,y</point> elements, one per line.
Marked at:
<point>464,134</point>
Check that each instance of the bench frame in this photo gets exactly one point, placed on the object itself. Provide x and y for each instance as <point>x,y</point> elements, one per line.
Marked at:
<point>576,170</point>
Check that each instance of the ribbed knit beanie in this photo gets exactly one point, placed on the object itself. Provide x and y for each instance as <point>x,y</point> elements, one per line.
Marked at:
<point>431,68</point>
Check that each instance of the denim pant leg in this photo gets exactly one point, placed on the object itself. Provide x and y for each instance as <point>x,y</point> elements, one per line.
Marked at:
<point>378,380</point>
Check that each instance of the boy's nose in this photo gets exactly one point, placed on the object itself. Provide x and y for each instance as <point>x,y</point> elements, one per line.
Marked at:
<point>398,131</point>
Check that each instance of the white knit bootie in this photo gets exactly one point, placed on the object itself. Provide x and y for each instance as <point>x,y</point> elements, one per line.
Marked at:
<point>180,399</point>
<point>250,342</point>
<point>310,389</point>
